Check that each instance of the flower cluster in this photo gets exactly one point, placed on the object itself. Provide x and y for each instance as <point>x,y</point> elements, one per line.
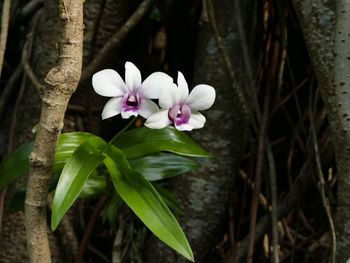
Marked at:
<point>134,97</point>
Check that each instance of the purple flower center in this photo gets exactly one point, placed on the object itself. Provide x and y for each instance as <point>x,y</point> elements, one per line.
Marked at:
<point>179,114</point>
<point>131,102</point>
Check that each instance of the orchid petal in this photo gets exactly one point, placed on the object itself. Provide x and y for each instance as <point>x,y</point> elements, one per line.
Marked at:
<point>147,108</point>
<point>132,76</point>
<point>184,127</point>
<point>113,107</point>
<point>197,120</point>
<point>201,97</point>
<point>182,85</point>
<point>108,83</point>
<point>151,87</point>
<point>169,96</point>
<point>158,120</point>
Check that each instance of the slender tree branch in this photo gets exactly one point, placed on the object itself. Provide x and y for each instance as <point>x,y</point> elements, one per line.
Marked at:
<point>321,188</point>
<point>61,82</point>
<point>116,40</point>
<point>28,70</point>
<point>258,179</point>
<point>273,211</point>
<point>9,88</point>
<point>30,8</point>
<point>5,17</point>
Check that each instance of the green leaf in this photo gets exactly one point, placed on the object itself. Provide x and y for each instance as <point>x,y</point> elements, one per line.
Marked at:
<point>15,165</point>
<point>83,162</point>
<point>67,144</point>
<point>95,186</point>
<point>143,141</point>
<point>145,201</point>
<point>163,165</point>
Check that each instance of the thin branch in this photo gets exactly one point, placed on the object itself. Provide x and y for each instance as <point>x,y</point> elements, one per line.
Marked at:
<point>30,8</point>
<point>28,69</point>
<point>116,40</point>
<point>321,188</point>
<point>262,199</point>
<point>5,17</point>
<point>258,178</point>
<point>274,216</point>
<point>260,230</point>
<point>9,88</point>
<point>61,81</point>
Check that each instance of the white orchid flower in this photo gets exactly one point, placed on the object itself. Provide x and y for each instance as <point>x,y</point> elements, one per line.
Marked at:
<point>130,98</point>
<point>180,108</point>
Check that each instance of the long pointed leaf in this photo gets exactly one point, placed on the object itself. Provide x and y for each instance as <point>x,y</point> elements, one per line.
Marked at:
<point>67,144</point>
<point>144,141</point>
<point>83,162</point>
<point>163,165</point>
<point>146,203</point>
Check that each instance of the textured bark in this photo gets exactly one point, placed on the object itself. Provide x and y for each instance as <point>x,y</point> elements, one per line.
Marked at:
<point>205,194</point>
<point>317,19</point>
<point>61,82</point>
<point>13,238</point>
<point>4,29</point>
<point>342,100</point>
<point>101,19</point>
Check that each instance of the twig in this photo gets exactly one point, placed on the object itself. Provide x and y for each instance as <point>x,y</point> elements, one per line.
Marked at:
<point>260,230</point>
<point>11,140</point>
<point>9,88</point>
<point>62,81</point>
<point>4,30</point>
<point>321,187</point>
<point>116,40</point>
<point>258,178</point>
<point>28,69</point>
<point>262,198</point>
<point>274,216</point>
<point>88,230</point>
<point>29,46</point>
<point>285,205</point>
<point>30,8</point>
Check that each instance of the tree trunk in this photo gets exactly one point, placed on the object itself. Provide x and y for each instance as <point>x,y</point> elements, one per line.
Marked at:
<point>317,20</point>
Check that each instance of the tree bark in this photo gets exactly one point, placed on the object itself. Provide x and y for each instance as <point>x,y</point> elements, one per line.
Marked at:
<point>62,81</point>
<point>101,19</point>
<point>342,109</point>
<point>324,39</point>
